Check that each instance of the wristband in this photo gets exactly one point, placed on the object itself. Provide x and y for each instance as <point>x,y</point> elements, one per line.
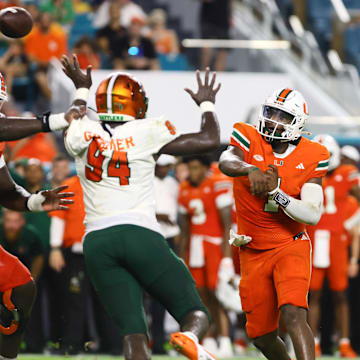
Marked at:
<point>57,122</point>
<point>353,261</point>
<point>207,106</point>
<point>35,201</point>
<point>281,198</point>
<point>82,94</point>
<point>252,169</point>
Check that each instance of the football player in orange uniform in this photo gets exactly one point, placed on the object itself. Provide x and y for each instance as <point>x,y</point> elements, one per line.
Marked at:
<point>330,249</point>
<point>205,205</point>
<point>277,189</point>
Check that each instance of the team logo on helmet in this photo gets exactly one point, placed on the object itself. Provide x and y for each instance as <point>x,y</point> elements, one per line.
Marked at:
<point>283,115</point>
<point>121,97</point>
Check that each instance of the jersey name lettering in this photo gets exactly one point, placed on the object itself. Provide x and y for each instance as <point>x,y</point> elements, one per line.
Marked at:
<point>113,144</point>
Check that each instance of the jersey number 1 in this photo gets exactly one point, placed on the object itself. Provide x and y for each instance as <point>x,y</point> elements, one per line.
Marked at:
<point>118,165</point>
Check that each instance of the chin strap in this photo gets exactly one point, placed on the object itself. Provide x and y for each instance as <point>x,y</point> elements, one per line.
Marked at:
<point>11,307</point>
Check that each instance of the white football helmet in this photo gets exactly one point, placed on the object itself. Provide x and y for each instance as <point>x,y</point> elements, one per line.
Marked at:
<point>292,111</point>
<point>333,148</point>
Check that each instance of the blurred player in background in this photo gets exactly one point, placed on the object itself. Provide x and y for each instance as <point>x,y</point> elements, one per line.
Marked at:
<point>277,189</point>
<point>123,247</point>
<point>330,246</point>
<point>205,207</point>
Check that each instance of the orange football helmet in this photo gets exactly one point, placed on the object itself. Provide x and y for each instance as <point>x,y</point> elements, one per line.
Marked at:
<point>121,97</point>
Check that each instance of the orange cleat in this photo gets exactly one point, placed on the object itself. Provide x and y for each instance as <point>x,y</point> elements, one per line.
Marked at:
<point>346,351</point>
<point>185,345</point>
<point>317,350</point>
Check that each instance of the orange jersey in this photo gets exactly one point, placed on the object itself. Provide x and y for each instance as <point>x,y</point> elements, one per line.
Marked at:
<point>351,216</point>
<point>262,219</point>
<point>74,217</point>
<point>336,186</point>
<point>2,147</point>
<point>201,203</point>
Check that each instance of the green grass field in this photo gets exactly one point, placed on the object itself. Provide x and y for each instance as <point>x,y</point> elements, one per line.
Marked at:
<point>103,357</point>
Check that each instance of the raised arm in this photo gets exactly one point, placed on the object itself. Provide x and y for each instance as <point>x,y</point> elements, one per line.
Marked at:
<point>208,138</point>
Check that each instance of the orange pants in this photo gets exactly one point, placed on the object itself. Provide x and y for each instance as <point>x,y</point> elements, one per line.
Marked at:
<point>336,273</point>
<point>207,276</point>
<point>270,279</point>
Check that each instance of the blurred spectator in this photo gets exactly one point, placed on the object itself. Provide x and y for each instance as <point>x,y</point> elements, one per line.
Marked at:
<point>66,258</point>
<point>34,11</point>
<point>215,16</point>
<point>107,35</point>
<point>41,146</point>
<point>181,172</point>
<point>14,63</point>
<point>47,40</point>
<point>60,170</point>
<point>34,179</point>
<point>61,10</point>
<point>86,52</point>
<point>81,7</point>
<point>165,40</point>
<point>134,51</point>
<point>129,10</point>
<point>22,241</point>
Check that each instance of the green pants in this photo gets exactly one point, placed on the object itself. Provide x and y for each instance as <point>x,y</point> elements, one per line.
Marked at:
<point>125,259</point>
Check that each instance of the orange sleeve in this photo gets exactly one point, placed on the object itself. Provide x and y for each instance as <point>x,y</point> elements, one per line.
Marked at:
<point>240,137</point>
<point>322,161</point>
<point>2,147</point>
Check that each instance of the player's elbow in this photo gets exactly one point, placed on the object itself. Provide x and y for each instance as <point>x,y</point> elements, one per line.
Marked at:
<point>315,213</point>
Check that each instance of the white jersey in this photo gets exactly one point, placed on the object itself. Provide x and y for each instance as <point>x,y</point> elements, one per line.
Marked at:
<point>116,169</point>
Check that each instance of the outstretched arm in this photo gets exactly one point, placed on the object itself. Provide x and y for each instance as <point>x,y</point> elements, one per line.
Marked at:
<point>209,136</point>
<point>14,197</point>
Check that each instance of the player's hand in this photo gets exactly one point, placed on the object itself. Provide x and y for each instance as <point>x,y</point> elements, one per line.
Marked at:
<point>353,269</point>
<point>258,183</point>
<point>206,91</point>
<point>272,177</point>
<point>56,260</point>
<point>73,71</point>
<point>54,199</point>
<point>75,112</point>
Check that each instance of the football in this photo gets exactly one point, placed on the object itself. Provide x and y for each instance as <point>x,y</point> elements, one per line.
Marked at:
<point>15,22</point>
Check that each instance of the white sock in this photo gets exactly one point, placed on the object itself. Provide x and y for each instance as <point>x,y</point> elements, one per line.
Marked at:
<point>344,341</point>
<point>317,340</point>
<point>224,341</point>
<point>191,335</point>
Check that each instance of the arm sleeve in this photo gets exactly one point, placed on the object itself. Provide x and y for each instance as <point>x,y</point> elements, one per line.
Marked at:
<point>162,132</point>
<point>322,165</point>
<point>78,136</point>
<point>57,228</point>
<point>308,209</point>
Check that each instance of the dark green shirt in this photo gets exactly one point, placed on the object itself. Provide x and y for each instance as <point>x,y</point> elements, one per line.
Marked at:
<point>27,246</point>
